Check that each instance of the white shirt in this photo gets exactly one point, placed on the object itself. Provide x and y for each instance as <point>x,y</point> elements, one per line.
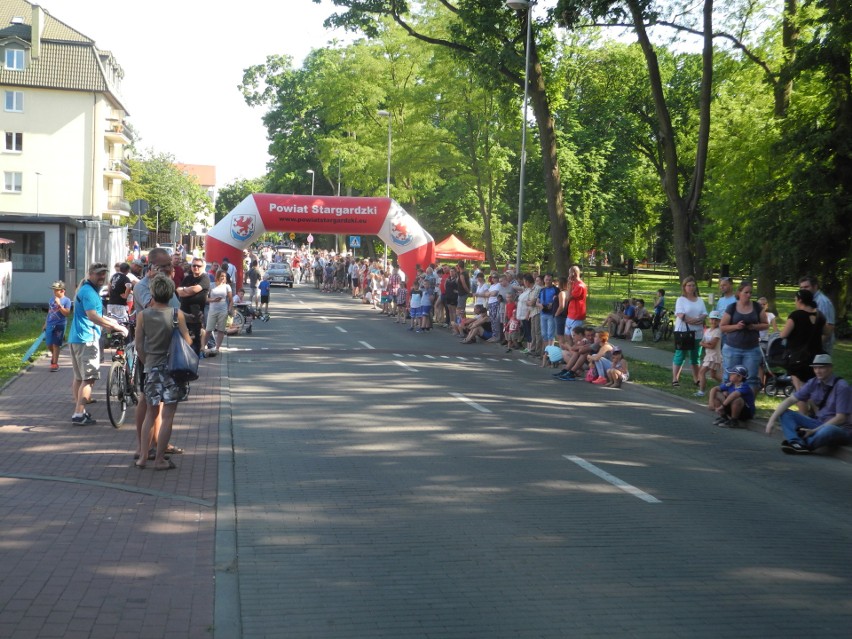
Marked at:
<point>219,291</point>
<point>482,294</point>
<point>690,309</point>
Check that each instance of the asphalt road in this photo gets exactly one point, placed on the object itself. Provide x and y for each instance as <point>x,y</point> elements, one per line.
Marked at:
<point>392,484</point>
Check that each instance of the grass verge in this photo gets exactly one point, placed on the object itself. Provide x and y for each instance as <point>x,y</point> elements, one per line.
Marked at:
<point>23,328</point>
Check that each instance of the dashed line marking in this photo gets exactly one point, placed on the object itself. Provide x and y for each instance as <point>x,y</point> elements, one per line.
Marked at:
<point>470,402</point>
<point>406,366</point>
<point>612,479</point>
<point>366,345</point>
<point>341,329</point>
<point>428,356</point>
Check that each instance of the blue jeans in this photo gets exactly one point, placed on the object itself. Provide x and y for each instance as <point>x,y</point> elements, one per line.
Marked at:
<point>548,328</point>
<point>827,436</point>
<point>748,357</point>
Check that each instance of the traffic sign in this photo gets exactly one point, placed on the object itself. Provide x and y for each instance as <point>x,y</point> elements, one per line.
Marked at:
<point>292,236</point>
<point>310,239</point>
<point>354,241</point>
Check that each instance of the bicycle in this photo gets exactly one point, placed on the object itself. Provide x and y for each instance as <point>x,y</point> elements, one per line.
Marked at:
<point>123,378</point>
<point>663,326</point>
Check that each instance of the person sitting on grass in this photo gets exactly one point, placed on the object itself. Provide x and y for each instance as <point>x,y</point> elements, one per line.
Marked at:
<point>733,401</point>
<point>614,319</point>
<point>618,372</point>
<point>479,327</point>
<point>712,344</point>
<point>641,319</point>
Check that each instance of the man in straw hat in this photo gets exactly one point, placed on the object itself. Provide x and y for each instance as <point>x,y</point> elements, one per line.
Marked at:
<point>825,412</point>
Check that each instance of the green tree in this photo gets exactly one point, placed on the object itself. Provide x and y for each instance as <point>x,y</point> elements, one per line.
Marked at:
<point>232,194</point>
<point>179,197</point>
<point>490,38</point>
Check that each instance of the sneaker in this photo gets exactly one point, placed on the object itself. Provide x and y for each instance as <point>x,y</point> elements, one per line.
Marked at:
<point>699,393</point>
<point>735,423</point>
<point>567,377</point>
<point>559,373</point>
<point>599,381</point>
<point>54,368</point>
<point>795,448</point>
<point>84,420</point>
<point>525,351</point>
<point>721,422</point>
<point>419,330</point>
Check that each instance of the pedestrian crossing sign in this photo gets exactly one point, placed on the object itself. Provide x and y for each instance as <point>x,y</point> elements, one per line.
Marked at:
<point>354,241</point>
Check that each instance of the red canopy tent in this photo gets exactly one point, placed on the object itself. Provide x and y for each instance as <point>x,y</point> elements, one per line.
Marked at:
<point>453,248</point>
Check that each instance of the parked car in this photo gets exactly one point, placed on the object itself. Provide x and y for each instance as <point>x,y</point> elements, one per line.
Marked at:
<point>280,274</point>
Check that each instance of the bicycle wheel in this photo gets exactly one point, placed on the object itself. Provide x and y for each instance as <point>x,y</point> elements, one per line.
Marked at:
<point>117,394</point>
<point>668,330</point>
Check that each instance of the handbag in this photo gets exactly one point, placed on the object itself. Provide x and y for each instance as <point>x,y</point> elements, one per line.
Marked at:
<point>684,340</point>
<point>182,361</point>
<point>592,373</point>
<point>637,335</point>
<point>796,359</point>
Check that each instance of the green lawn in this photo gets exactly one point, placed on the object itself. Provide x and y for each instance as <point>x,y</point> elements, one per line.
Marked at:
<point>24,327</point>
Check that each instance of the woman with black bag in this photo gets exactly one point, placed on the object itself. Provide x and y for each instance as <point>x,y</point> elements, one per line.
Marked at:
<point>803,332</point>
<point>688,329</point>
<point>741,324</point>
<point>154,327</point>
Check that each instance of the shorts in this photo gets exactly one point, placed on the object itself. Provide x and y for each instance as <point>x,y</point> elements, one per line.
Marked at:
<point>571,324</point>
<point>54,335</point>
<point>487,335</point>
<point>216,320</point>
<point>118,311</point>
<point>560,325</point>
<point>415,313</point>
<point>160,388</point>
<point>86,360</point>
<point>264,299</point>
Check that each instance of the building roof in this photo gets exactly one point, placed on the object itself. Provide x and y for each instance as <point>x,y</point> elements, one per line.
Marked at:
<point>204,174</point>
<point>69,60</point>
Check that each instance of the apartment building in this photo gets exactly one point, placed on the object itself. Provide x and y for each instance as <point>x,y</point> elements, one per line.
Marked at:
<point>62,156</point>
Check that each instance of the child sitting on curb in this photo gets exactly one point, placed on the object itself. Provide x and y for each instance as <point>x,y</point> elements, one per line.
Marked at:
<point>732,401</point>
<point>618,372</point>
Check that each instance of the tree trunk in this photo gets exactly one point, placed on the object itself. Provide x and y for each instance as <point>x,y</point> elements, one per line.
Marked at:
<point>560,240</point>
<point>783,87</point>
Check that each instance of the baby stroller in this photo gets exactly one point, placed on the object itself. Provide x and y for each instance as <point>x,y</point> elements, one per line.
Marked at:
<point>776,380</point>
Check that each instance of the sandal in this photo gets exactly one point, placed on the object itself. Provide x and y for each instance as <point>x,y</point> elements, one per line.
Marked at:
<point>675,383</point>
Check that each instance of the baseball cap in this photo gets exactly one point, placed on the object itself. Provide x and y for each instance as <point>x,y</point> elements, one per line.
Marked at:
<point>742,371</point>
<point>99,267</point>
<point>822,360</point>
<point>616,350</point>
<point>715,315</point>
<point>57,285</point>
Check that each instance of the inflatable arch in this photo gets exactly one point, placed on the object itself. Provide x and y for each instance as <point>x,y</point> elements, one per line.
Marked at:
<point>263,212</point>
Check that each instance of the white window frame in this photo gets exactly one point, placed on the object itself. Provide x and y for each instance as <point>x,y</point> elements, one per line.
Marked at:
<point>17,101</point>
<point>17,58</point>
<point>17,142</point>
<point>13,182</point>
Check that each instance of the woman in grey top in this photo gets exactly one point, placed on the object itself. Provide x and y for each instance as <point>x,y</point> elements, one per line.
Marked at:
<point>162,393</point>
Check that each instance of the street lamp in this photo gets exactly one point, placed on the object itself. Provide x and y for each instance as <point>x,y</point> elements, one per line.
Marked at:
<point>521,5</point>
<point>157,232</point>
<point>313,175</point>
<point>386,114</point>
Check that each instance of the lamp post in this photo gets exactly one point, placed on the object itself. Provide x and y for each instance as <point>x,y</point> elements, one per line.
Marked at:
<point>157,232</point>
<point>313,175</point>
<point>386,114</point>
<point>521,5</point>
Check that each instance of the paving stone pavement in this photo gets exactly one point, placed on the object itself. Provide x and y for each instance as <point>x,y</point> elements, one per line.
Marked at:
<point>91,546</point>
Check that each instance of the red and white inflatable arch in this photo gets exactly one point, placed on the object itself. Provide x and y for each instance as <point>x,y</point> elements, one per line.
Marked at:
<point>262,212</point>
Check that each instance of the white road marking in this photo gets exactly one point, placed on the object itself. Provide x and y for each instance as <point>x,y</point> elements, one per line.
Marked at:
<point>341,329</point>
<point>464,359</point>
<point>301,301</point>
<point>397,355</point>
<point>612,479</point>
<point>366,345</point>
<point>470,402</point>
<point>428,356</point>
<point>324,318</point>
<point>445,357</point>
<point>523,361</point>
<point>406,366</point>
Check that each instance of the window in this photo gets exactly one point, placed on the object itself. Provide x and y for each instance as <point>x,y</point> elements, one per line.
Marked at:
<point>15,101</point>
<point>27,251</point>
<point>13,181</point>
<point>14,142</point>
<point>15,59</point>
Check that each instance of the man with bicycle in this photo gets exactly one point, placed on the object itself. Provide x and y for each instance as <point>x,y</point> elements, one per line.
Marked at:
<point>193,298</point>
<point>84,340</point>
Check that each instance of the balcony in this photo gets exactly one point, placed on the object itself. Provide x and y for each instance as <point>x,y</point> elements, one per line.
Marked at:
<point>116,132</point>
<point>117,170</point>
<point>117,206</point>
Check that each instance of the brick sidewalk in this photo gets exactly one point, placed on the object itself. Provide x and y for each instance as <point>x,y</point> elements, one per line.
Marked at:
<point>91,546</point>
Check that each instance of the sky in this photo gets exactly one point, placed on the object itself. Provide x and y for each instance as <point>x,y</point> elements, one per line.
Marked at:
<point>183,61</point>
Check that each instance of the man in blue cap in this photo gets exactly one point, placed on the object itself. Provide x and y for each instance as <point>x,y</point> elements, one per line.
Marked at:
<point>733,400</point>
